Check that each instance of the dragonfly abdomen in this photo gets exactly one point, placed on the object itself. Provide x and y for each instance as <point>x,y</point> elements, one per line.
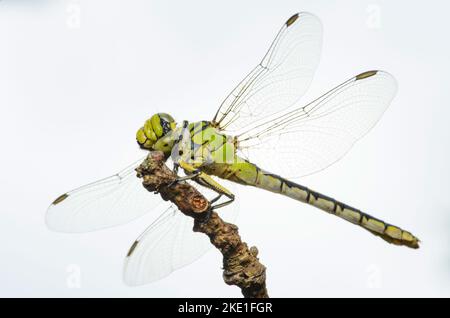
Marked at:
<point>390,233</point>
<point>249,174</point>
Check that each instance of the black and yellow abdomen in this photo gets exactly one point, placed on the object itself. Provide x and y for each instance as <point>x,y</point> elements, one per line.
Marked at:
<point>246,173</point>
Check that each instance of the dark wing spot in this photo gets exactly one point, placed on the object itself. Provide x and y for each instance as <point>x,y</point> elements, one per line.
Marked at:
<point>291,20</point>
<point>132,248</point>
<point>60,199</point>
<point>365,75</point>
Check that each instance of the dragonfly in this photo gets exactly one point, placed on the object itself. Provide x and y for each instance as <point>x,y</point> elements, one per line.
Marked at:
<point>260,136</point>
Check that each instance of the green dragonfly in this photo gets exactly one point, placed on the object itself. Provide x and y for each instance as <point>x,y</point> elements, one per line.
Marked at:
<point>258,126</point>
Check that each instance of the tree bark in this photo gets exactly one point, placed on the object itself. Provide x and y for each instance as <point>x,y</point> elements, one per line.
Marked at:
<point>241,266</point>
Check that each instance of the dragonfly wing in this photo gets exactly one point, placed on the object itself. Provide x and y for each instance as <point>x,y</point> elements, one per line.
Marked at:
<point>279,80</point>
<point>168,244</point>
<point>310,138</point>
<point>108,202</point>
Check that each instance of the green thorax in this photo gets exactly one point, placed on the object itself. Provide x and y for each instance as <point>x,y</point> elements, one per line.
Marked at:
<point>209,145</point>
<point>199,144</point>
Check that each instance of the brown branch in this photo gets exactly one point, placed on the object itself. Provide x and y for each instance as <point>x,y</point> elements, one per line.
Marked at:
<point>241,266</point>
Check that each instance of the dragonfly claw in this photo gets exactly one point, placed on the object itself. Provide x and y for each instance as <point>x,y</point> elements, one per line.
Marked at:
<point>174,182</point>
<point>207,216</point>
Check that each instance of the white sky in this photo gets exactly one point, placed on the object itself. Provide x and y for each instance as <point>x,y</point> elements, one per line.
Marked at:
<point>73,93</point>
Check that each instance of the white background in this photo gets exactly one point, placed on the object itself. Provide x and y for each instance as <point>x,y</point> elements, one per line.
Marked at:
<point>77,78</point>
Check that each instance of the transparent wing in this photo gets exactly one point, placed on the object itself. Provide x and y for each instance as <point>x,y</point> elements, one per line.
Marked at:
<point>167,245</point>
<point>310,138</point>
<point>281,78</point>
<point>111,201</point>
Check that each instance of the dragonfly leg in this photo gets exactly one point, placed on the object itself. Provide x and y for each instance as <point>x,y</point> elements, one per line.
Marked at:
<point>188,177</point>
<point>217,206</point>
<point>216,199</point>
<point>216,187</point>
<point>221,205</point>
<point>208,182</point>
<point>175,168</point>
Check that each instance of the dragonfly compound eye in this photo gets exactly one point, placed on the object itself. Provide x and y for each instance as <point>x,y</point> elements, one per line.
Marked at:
<point>162,123</point>
<point>154,128</point>
<point>145,139</point>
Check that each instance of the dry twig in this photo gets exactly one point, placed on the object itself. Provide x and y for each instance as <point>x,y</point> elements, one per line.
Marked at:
<point>240,263</point>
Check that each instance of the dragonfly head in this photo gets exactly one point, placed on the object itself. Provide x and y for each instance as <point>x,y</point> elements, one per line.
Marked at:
<point>153,134</point>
